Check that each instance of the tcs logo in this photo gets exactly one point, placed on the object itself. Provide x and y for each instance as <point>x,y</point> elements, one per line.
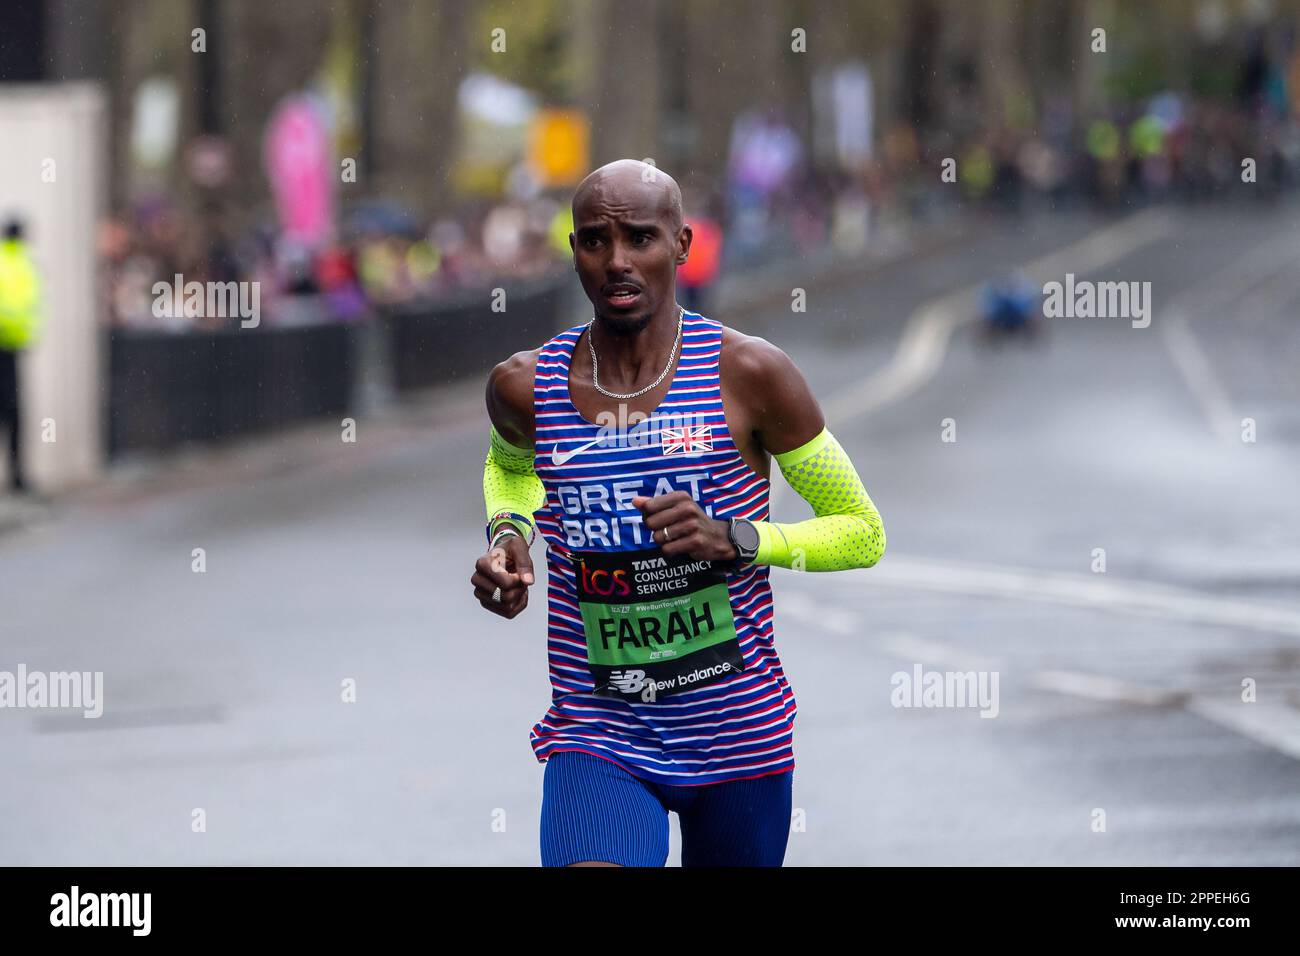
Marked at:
<point>605,583</point>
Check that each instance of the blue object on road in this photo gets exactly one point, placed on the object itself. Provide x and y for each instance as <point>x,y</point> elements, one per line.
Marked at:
<point>1008,303</point>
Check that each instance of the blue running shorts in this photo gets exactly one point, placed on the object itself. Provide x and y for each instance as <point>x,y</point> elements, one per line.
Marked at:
<point>594,810</point>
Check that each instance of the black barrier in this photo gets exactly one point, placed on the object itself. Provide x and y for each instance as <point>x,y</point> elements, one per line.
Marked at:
<point>446,342</point>
<point>168,388</point>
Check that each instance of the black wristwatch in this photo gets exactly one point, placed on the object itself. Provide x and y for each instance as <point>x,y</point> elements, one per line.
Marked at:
<point>744,538</point>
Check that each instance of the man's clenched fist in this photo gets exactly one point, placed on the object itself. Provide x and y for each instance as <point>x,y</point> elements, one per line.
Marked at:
<point>509,567</point>
<point>678,524</point>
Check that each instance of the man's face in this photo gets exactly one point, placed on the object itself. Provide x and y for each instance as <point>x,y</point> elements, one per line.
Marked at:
<point>626,249</point>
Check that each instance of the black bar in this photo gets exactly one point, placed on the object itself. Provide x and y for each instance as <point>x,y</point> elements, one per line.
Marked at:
<point>910,909</point>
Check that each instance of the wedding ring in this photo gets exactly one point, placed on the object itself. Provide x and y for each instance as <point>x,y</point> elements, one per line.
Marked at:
<point>496,594</point>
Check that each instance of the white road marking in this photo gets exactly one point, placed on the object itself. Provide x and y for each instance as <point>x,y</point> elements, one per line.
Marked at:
<point>1095,687</point>
<point>1274,725</point>
<point>1198,373</point>
<point>801,605</point>
<point>1100,591</point>
<point>918,357</point>
<point>1223,290</point>
<point>930,327</point>
<point>936,653</point>
<point>927,333</point>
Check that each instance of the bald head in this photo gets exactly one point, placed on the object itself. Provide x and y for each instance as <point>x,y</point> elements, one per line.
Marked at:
<point>628,240</point>
<point>628,182</point>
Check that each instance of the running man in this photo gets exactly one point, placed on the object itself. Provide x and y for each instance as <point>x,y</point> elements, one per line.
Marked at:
<point>637,445</point>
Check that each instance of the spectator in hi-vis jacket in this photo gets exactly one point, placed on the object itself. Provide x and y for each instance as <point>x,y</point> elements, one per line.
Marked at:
<point>20,320</point>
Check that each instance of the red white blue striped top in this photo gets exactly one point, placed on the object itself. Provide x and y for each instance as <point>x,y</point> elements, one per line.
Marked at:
<point>737,728</point>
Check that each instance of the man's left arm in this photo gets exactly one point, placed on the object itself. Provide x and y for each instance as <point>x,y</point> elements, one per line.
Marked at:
<point>846,530</point>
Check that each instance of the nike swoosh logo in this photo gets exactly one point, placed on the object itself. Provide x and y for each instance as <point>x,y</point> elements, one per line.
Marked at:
<point>559,459</point>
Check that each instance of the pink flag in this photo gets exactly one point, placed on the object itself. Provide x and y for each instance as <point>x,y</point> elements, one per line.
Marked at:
<point>300,167</point>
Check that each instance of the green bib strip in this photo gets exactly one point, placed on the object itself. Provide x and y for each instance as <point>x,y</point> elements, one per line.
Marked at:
<point>655,625</point>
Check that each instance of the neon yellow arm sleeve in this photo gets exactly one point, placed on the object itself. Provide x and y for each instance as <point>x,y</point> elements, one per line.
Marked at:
<point>510,483</point>
<point>847,531</point>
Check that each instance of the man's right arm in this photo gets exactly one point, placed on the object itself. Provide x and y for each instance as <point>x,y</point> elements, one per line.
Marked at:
<point>510,397</point>
<point>512,491</point>
<point>510,485</point>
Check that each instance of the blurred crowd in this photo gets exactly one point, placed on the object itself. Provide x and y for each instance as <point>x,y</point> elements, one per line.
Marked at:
<point>383,258</point>
<point>1175,147</point>
<point>777,199</point>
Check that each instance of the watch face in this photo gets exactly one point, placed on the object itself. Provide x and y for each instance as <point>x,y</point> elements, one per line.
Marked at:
<point>746,536</point>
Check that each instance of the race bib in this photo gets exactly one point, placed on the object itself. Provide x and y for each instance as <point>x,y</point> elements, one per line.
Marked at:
<point>656,625</point>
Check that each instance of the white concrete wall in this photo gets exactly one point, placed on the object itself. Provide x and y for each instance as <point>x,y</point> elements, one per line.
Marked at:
<point>64,374</point>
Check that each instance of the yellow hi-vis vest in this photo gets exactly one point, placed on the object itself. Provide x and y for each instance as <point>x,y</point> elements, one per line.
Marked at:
<point>20,297</point>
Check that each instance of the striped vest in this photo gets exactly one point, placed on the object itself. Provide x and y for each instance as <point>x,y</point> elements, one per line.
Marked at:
<point>742,724</point>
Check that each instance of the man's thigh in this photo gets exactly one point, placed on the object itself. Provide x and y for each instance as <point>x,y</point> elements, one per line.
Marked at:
<point>595,811</point>
<point>738,823</point>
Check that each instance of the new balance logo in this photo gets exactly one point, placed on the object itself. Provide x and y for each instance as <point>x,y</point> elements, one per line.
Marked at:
<point>627,682</point>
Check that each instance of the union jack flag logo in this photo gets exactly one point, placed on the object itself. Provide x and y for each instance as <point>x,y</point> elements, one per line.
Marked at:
<point>687,440</point>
